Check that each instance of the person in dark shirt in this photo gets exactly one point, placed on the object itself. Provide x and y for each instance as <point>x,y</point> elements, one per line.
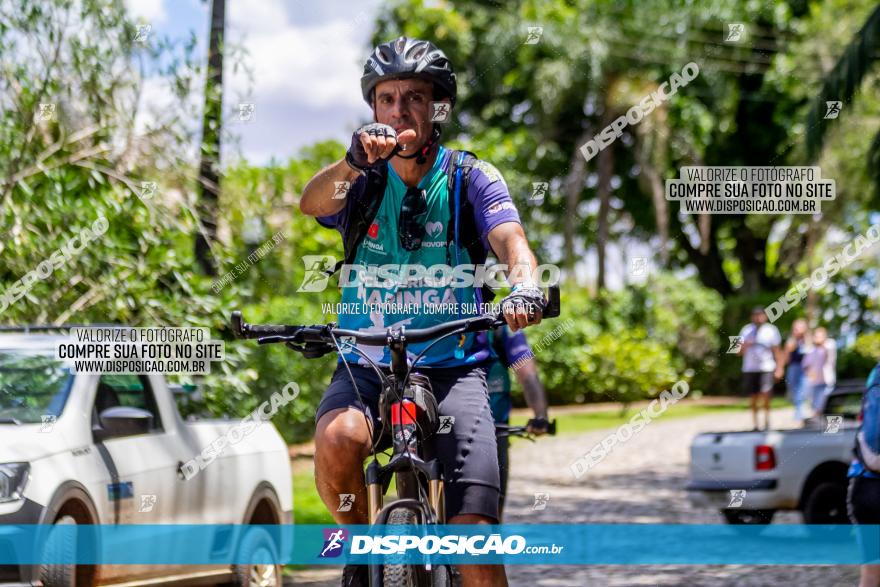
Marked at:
<point>511,350</point>
<point>796,347</point>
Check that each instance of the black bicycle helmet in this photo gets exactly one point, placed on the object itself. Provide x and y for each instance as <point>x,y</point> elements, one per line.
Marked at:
<point>405,57</point>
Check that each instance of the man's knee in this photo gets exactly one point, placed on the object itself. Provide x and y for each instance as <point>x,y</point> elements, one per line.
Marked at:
<point>342,435</point>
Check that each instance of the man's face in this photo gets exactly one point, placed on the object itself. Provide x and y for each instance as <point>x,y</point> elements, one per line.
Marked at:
<point>406,105</point>
<point>759,317</point>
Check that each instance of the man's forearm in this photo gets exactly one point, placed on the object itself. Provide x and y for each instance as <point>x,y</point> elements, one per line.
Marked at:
<point>510,245</point>
<point>533,391</point>
<point>317,197</point>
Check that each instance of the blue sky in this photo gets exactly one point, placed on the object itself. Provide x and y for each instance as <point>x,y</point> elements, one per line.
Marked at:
<point>306,59</point>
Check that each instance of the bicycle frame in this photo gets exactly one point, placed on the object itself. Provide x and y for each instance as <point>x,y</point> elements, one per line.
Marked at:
<point>406,456</point>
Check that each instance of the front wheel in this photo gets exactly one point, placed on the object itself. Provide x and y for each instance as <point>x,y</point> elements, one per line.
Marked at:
<point>60,545</point>
<point>404,575</point>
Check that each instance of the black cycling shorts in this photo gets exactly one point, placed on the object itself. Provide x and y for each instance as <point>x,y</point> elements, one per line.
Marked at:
<point>468,453</point>
<point>863,507</point>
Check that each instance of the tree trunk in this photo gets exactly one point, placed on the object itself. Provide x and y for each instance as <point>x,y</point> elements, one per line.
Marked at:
<point>574,187</point>
<point>209,165</point>
<point>603,190</point>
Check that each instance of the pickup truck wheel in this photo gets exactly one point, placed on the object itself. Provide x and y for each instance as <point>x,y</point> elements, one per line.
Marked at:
<point>60,575</point>
<point>826,504</point>
<point>259,549</point>
<point>738,517</point>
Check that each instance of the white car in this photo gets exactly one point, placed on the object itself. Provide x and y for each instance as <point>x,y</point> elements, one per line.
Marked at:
<point>749,476</point>
<point>111,449</point>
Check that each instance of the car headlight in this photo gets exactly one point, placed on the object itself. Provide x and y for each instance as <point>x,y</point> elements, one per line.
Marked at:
<point>13,478</point>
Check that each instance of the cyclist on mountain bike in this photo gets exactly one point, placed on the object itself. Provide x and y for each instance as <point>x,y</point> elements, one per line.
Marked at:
<point>510,350</point>
<point>411,225</point>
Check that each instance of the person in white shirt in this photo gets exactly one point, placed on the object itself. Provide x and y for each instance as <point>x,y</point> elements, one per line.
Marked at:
<point>763,362</point>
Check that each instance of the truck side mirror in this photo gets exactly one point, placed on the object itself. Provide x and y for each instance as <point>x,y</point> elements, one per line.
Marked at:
<point>122,421</point>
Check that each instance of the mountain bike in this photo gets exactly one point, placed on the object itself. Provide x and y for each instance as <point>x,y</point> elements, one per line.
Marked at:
<point>409,416</point>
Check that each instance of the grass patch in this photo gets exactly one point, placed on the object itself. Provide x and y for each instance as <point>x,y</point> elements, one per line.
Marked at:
<point>575,423</point>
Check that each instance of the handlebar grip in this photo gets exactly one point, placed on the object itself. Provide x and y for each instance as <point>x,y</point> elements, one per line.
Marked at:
<point>242,329</point>
<point>552,309</point>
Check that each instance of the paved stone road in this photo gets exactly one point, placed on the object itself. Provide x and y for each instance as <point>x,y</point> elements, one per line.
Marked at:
<point>639,482</point>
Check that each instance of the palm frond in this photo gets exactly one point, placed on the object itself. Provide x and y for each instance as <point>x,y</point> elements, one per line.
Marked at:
<point>843,81</point>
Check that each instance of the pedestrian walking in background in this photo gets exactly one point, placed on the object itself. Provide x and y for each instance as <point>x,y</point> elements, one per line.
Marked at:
<point>797,345</point>
<point>820,366</point>
<point>763,362</point>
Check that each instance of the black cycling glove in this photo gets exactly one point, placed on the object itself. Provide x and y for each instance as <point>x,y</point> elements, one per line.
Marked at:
<point>356,157</point>
<point>529,297</point>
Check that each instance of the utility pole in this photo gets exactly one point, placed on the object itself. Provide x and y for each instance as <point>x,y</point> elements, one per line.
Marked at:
<point>209,157</point>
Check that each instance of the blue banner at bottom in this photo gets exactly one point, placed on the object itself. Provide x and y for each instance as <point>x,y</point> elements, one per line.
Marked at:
<point>527,544</point>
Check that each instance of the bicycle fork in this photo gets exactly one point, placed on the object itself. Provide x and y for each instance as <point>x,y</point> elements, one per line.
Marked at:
<point>404,459</point>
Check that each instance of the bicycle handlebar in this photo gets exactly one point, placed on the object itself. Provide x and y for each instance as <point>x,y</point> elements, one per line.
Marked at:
<point>507,430</point>
<point>272,333</point>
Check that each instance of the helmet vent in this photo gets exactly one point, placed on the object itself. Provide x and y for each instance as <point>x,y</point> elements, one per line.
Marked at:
<point>384,55</point>
<point>416,52</point>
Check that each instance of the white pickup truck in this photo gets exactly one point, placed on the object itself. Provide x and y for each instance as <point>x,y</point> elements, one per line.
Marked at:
<point>111,449</point>
<point>749,476</point>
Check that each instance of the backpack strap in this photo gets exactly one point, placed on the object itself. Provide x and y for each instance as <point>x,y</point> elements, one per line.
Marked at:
<point>363,212</point>
<point>463,218</point>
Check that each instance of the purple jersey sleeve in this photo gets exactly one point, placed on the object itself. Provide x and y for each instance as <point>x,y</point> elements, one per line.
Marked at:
<point>516,347</point>
<point>340,219</point>
<point>488,195</point>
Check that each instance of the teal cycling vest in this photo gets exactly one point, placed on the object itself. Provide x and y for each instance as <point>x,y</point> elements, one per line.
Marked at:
<point>394,306</point>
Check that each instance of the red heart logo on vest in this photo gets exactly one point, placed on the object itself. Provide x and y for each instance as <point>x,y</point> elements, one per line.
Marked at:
<point>374,230</point>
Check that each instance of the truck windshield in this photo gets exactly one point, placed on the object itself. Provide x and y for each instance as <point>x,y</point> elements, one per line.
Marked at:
<point>33,386</point>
